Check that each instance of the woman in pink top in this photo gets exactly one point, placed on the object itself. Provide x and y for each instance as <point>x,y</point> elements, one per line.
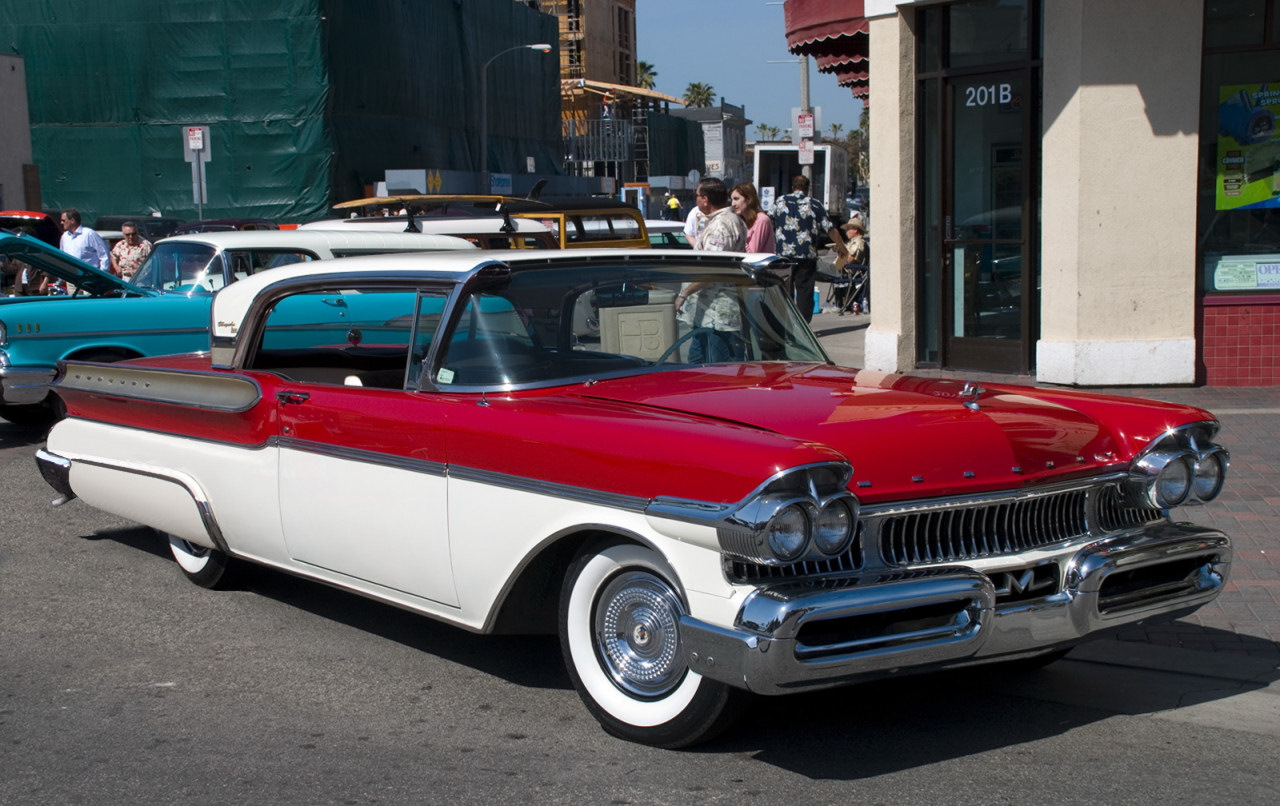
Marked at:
<point>746,203</point>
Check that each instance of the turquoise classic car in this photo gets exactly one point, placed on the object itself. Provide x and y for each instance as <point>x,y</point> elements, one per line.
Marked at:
<point>163,310</point>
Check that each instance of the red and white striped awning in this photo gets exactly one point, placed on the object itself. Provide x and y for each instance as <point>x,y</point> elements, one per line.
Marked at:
<point>834,33</point>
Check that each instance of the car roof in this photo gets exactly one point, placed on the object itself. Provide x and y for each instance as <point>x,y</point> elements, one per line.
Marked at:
<point>316,238</point>
<point>231,304</point>
<point>439,226</point>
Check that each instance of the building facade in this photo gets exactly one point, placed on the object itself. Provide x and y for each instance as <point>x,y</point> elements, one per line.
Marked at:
<point>19,182</point>
<point>1081,190</point>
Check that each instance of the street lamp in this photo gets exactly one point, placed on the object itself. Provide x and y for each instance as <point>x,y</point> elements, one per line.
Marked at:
<point>542,47</point>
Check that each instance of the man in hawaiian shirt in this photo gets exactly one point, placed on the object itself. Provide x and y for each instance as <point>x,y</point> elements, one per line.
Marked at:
<point>128,254</point>
<point>798,222</point>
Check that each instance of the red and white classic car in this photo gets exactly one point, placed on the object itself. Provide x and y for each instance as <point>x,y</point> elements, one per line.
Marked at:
<point>649,453</point>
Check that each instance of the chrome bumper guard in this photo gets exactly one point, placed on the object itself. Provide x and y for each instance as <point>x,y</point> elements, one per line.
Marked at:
<point>56,471</point>
<point>830,632</point>
<point>23,387</point>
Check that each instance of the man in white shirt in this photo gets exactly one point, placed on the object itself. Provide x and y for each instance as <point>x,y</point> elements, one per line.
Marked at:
<point>83,242</point>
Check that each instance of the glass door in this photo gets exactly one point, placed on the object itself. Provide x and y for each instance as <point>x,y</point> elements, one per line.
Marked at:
<point>988,284</point>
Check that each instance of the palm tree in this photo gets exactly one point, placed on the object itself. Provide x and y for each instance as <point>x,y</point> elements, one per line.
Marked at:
<point>836,128</point>
<point>767,132</point>
<point>646,76</point>
<point>698,94</point>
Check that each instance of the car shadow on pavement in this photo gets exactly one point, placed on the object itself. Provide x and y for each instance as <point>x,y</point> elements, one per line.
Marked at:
<point>855,732</point>
<point>13,435</point>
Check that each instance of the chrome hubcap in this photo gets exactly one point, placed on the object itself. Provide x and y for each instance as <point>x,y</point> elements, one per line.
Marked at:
<point>638,634</point>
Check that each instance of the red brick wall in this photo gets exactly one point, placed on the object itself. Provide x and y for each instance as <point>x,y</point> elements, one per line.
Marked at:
<point>1241,341</point>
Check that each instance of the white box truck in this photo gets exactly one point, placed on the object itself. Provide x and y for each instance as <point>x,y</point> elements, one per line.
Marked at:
<point>777,163</point>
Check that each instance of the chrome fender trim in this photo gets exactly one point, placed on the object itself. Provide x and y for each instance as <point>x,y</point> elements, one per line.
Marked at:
<point>186,482</point>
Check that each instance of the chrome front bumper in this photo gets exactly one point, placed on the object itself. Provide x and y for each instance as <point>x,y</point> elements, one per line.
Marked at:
<point>830,632</point>
<point>21,386</point>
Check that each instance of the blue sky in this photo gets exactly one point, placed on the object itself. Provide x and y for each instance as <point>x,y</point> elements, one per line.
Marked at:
<point>729,44</point>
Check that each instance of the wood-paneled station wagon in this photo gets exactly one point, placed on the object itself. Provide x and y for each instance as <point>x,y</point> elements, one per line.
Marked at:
<point>649,453</point>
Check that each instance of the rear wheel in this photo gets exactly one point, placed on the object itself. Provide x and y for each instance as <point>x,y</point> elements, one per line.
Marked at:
<point>620,636</point>
<point>208,568</point>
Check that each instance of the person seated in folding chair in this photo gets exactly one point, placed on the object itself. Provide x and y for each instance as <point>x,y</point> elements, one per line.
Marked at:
<point>854,291</point>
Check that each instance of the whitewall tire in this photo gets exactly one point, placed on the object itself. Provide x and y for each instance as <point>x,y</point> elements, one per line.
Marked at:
<point>620,636</point>
<point>208,568</point>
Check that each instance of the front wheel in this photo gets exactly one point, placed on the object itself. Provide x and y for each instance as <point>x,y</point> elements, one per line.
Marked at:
<point>620,636</point>
<point>208,568</point>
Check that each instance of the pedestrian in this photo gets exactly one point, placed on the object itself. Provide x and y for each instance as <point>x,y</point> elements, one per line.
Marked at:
<point>799,222</point>
<point>723,230</point>
<point>672,209</point>
<point>706,307</point>
<point>27,280</point>
<point>128,254</point>
<point>858,269</point>
<point>746,203</point>
<point>82,242</point>
<point>693,224</point>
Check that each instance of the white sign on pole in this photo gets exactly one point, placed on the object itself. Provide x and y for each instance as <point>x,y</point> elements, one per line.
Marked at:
<point>804,122</point>
<point>195,138</point>
<point>806,152</point>
<point>195,150</point>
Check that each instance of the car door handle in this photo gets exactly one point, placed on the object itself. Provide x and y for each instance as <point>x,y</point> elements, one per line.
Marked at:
<point>292,397</point>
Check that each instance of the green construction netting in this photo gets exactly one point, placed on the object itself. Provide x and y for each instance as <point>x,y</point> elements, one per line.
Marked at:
<point>674,145</point>
<point>307,101</point>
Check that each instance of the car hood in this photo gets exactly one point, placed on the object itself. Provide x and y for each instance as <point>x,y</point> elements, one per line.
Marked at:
<point>50,260</point>
<point>916,437</point>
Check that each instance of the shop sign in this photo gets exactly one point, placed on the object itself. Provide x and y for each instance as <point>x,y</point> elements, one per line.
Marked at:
<point>1246,273</point>
<point>1248,147</point>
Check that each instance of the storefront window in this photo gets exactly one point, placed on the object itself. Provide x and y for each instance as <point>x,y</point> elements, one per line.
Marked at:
<point>1232,23</point>
<point>987,32</point>
<point>1239,218</point>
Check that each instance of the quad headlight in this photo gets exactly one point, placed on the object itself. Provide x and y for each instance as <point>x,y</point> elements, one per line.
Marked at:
<point>806,514</point>
<point>1180,466</point>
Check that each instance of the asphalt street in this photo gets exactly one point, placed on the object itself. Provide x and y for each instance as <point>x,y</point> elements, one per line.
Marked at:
<point>120,682</point>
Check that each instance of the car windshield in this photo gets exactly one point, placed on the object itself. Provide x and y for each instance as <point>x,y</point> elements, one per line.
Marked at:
<point>181,267</point>
<point>553,325</point>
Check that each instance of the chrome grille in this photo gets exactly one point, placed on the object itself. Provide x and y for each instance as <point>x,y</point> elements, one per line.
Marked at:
<point>990,530</point>
<point>1114,514</point>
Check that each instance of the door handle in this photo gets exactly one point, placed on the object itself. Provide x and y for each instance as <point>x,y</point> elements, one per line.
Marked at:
<point>292,397</point>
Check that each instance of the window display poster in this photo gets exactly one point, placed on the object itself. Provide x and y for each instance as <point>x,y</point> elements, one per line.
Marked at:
<point>1248,146</point>
<point>1244,272</point>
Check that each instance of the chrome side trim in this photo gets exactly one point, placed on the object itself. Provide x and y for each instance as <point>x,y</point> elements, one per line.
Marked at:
<point>584,495</point>
<point>210,391</point>
<point>367,457</point>
<point>188,483</point>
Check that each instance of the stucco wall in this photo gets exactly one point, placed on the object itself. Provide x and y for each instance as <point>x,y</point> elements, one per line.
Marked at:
<point>15,131</point>
<point>1121,114</point>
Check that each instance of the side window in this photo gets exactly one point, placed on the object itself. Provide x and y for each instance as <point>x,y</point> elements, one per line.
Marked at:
<point>430,311</point>
<point>355,337</point>
<point>244,262</point>
<point>490,345</point>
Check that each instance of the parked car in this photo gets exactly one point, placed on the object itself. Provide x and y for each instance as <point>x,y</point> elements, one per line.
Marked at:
<point>224,225</point>
<point>486,233</point>
<point>667,234</point>
<point>44,225</point>
<point>575,222</point>
<point>163,309</point>
<point>442,433</point>
<point>153,228</point>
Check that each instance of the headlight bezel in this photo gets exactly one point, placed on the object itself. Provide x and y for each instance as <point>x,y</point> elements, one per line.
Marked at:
<point>815,494</point>
<point>1191,448</point>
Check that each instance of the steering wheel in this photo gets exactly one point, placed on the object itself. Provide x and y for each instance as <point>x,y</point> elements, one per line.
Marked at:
<point>697,331</point>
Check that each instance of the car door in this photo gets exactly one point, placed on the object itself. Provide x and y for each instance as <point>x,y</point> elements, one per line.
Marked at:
<point>362,467</point>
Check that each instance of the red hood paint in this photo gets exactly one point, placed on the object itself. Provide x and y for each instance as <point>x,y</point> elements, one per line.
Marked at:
<point>908,436</point>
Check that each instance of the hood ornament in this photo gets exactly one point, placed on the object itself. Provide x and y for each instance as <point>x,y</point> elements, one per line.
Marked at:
<point>972,391</point>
